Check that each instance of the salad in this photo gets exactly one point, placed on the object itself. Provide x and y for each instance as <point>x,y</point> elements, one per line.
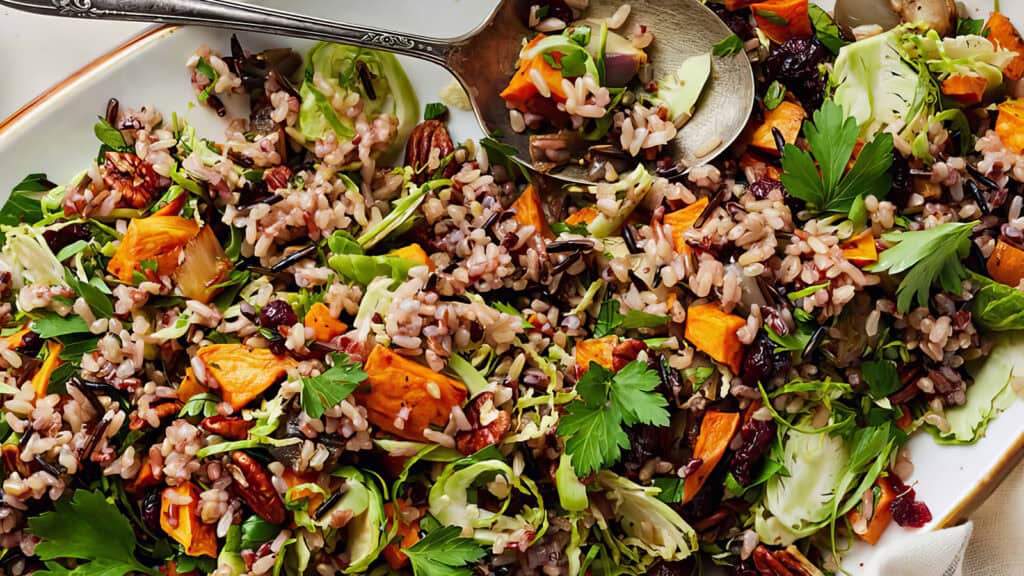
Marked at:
<point>339,340</point>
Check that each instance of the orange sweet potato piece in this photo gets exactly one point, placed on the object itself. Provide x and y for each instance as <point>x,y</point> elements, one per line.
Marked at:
<point>394,382</point>
<point>595,350</point>
<point>788,117</point>
<point>861,249</point>
<point>172,208</point>
<point>243,372</point>
<point>189,386</point>
<point>713,332</point>
<point>416,253</point>
<point>41,379</point>
<point>292,479</point>
<point>782,20</point>
<point>584,215</point>
<point>199,539</point>
<point>882,512</point>
<point>1010,125</point>
<point>967,90</point>
<point>144,479</point>
<point>1002,34</point>
<point>1006,264</point>
<point>156,238</point>
<point>682,220</point>
<point>325,325</point>
<point>530,213</point>
<point>410,534</point>
<point>716,431</point>
<point>204,266</point>
<point>521,87</point>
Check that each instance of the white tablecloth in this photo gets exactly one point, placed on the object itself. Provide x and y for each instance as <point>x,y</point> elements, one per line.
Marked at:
<point>41,51</point>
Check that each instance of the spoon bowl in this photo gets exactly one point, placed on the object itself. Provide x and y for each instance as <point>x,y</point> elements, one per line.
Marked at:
<point>484,60</point>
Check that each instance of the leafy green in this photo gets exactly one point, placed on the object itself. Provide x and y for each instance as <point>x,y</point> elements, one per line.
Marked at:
<point>52,326</point>
<point>334,385</point>
<point>89,528</point>
<point>402,212</point>
<point>608,318</point>
<point>109,135</point>
<point>728,46</point>
<point>882,378</point>
<point>593,424</point>
<point>203,404</point>
<point>206,69</point>
<point>23,203</point>
<point>638,319</point>
<point>774,96</point>
<point>929,257</point>
<point>831,137</point>
<point>512,311</point>
<point>435,110</point>
<point>825,28</point>
<point>572,494</point>
<point>363,269</point>
<point>640,513</point>
<point>968,26</point>
<point>671,489</point>
<point>997,307</point>
<point>805,292</point>
<point>98,301</point>
<point>563,227</point>
<point>444,552</point>
<point>256,531</point>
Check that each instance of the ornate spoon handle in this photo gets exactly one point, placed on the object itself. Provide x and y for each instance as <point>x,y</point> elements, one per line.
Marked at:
<point>240,16</point>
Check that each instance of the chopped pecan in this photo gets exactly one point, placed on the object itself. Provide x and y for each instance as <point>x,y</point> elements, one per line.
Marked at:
<point>277,177</point>
<point>425,137</point>
<point>252,484</point>
<point>797,563</point>
<point>626,352</point>
<point>132,176</point>
<point>230,427</point>
<point>768,565</point>
<point>164,410</point>
<point>480,410</point>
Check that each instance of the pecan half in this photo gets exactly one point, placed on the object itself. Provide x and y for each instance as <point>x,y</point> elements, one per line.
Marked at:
<point>768,565</point>
<point>798,564</point>
<point>230,427</point>
<point>132,176</point>
<point>165,410</point>
<point>425,137</point>
<point>479,411</point>
<point>252,484</point>
<point>626,352</point>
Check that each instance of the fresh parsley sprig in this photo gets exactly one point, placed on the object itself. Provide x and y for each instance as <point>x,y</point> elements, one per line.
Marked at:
<point>928,257</point>
<point>444,552</point>
<point>593,425</point>
<point>819,177</point>
<point>336,383</point>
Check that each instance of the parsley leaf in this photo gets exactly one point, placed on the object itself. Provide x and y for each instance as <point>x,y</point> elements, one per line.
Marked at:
<point>825,28</point>
<point>98,301</point>
<point>882,378</point>
<point>52,326</point>
<point>817,177</point>
<point>775,95</point>
<point>729,46</point>
<point>88,528</point>
<point>594,423</point>
<point>608,318</point>
<point>968,26</point>
<point>444,552</point>
<point>931,256</point>
<point>109,135</point>
<point>435,110</point>
<point>321,392</point>
<point>23,204</point>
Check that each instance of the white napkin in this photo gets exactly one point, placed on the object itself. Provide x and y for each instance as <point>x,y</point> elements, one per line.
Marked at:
<point>994,549</point>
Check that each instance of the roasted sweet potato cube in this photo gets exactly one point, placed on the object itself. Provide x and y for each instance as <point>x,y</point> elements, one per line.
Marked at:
<point>243,372</point>
<point>713,332</point>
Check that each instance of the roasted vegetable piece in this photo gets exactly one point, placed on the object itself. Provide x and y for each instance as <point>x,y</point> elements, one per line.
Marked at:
<point>395,382</point>
<point>781,20</point>
<point>416,253</point>
<point>203,267</point>
<point>156,238</point>
<point>410,533</point>
<point>313,498</point>
<point>41,379</point>
<point>182,523</point>
<point>1006,264</point>
<point>584,215</point>
<point>521,88</point>
<point>716,431</point>
<point>788,118</point>
<point>713,332</point>
<point>323,323</point>
<point>1002,33</point>
<point>682,220</point>
<point>243,372</point>
<point>529,212</point>
<point>598,350</point>
<point>965,89</point>
<point>1010,125</point>
<point>189,386</point>
<point>861,249</point>
<point>884,496</point>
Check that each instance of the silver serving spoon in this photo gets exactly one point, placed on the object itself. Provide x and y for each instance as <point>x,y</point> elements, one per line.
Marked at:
<point>484,59</point>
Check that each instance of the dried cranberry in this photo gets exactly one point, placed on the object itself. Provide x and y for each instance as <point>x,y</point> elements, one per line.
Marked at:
<point>31,343</point>
<point>795,65</point>
<point>57,239</point>
<point>757,440</point>
<point>646,442</point>
<point>737,20</point>
<point>277,313</point>
<point>277,347</point>
<point>761,362</point>
<point>906,510</point>
<point>745,568</point>
<point>902,181</point>
<point>763,187</point>
<point>151,510</point>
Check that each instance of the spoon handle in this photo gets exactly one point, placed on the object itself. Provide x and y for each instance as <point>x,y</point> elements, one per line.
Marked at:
<point>241,16</point>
